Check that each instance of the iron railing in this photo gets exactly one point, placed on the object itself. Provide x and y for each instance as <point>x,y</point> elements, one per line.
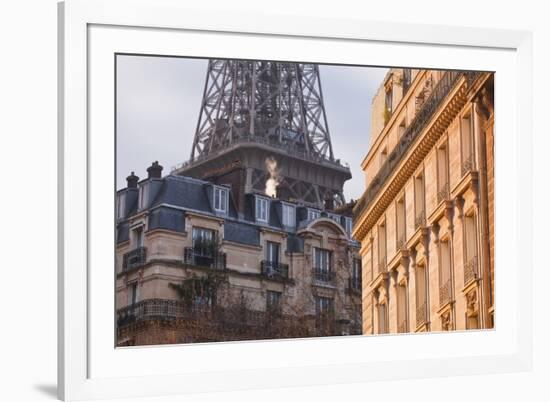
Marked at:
<point>412,132</point>
<point>470,270</point>
<point>215,260</point>
<point>467,165</point>
<point>420,219</point>
<point>443,193</point>
<point>134,258</point>
<point>445,292</point>
<point>421,314</point>
<point>273,269</point>
<point>325,276</point>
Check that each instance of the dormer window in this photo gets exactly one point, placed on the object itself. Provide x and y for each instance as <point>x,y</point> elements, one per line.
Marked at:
<point>313,214</point>
<point>348,225</point>
<point>261,209</point>
<point>120,210</point>
<point>334,217</point>
<point>220,199</point>
<point>289,215</point>
<point>143,195</point>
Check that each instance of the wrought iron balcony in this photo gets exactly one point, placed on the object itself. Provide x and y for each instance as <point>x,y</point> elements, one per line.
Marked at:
<point>420,219</point>
<point>215,260</point>
<point>421,313</point>
<point>134,258</point>
<point>421,120</point>
<point>467,165</point>
<point>324,276</point>
<point>273,269</point>
<point>149,310</point>
<point>400,244</point>
<point>445,292</point>
<point>470,270</point>
<point>443,193</point>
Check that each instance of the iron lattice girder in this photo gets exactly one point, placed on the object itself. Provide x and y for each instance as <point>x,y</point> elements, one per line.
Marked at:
<point>279,101</point>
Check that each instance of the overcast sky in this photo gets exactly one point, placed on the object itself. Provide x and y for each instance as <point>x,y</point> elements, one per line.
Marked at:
<point>158,104</point>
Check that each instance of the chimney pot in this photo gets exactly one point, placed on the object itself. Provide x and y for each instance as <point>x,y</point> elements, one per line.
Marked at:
<point>155,171</point>
<point>132,180</point>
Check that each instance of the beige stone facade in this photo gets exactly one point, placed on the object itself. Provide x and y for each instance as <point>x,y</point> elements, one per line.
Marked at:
<point>255,298</point>
<point>426,219</point>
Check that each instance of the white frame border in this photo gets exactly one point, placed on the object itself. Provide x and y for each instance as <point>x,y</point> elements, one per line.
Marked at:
<point>74,18</point>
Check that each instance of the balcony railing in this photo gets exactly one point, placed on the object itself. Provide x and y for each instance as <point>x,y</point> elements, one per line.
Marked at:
<point>324,276</point>
<point>354,284</point>
<point>215,260</point>
<point>134,258</point>
<point>420,219</point>
<point>443,193</point>
<point>273,269</point>
<point>467,165</point>
<point>470,270</point>
<point>412,132</point>
<point>421,314</point>
<point>445,292</point>
<point>400,244</point>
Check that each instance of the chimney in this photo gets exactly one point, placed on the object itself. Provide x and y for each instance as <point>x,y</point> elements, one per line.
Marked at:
<point>329,202</point>
<point>155,170</point>
<point>132,180</point>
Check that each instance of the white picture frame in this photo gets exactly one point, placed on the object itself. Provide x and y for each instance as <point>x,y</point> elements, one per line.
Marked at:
<point>91,32</point>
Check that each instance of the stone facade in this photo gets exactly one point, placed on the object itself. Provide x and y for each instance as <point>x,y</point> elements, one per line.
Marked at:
<point>426,219</point>
<point>191,267</point>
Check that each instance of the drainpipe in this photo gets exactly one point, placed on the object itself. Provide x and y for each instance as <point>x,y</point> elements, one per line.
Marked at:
<point>483,213</point>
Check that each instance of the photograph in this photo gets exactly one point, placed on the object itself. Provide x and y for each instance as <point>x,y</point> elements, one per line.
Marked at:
<point>261,200</point>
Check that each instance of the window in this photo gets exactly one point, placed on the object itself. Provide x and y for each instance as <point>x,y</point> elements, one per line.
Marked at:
<point>313,214</point>
<point>261,209</point>
<point>382,321</point>
<point>334,217</point>
<point>348,225</point>
<point>470,249</point>
<point>322,259</point>
<point>400,222</point>
<point>445,272</point>
<point>442,173</point>
<point>273,300</point>
<point>203,242</point>
<point>143,195</point>
<point>121,201</point>
<point>289,215</point>
<point>466,143</point>
<point>421,295</point>
<point>355,279</point>
<point>272,252</point>
<point>324,305</point>
<point>382,248</point>
<point>419,202</point>
<point>138,237</point>
<point>401,309</point>
<point>133,294</point>
<point>220,199</point>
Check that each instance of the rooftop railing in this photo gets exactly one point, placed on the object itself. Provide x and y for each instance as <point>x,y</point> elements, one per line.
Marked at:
<point>412,132</point>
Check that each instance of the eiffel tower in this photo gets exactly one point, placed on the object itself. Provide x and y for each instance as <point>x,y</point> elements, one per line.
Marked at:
<point>253,111</point>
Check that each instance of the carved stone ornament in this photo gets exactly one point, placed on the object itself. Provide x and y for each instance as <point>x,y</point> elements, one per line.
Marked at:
<point>446,322</point>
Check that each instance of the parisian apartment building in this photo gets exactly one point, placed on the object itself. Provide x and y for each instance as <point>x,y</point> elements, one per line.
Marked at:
<point>251,237</point>
<point>426,219</point>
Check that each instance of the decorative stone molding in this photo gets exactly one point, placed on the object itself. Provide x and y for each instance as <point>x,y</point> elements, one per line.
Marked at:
<point>435,230</point>
<point>446,321</point>
<point>459,202</point>
<point>449,213</point>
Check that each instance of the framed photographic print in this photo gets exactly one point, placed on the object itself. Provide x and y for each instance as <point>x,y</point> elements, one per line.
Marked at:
<point>334,201</point>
